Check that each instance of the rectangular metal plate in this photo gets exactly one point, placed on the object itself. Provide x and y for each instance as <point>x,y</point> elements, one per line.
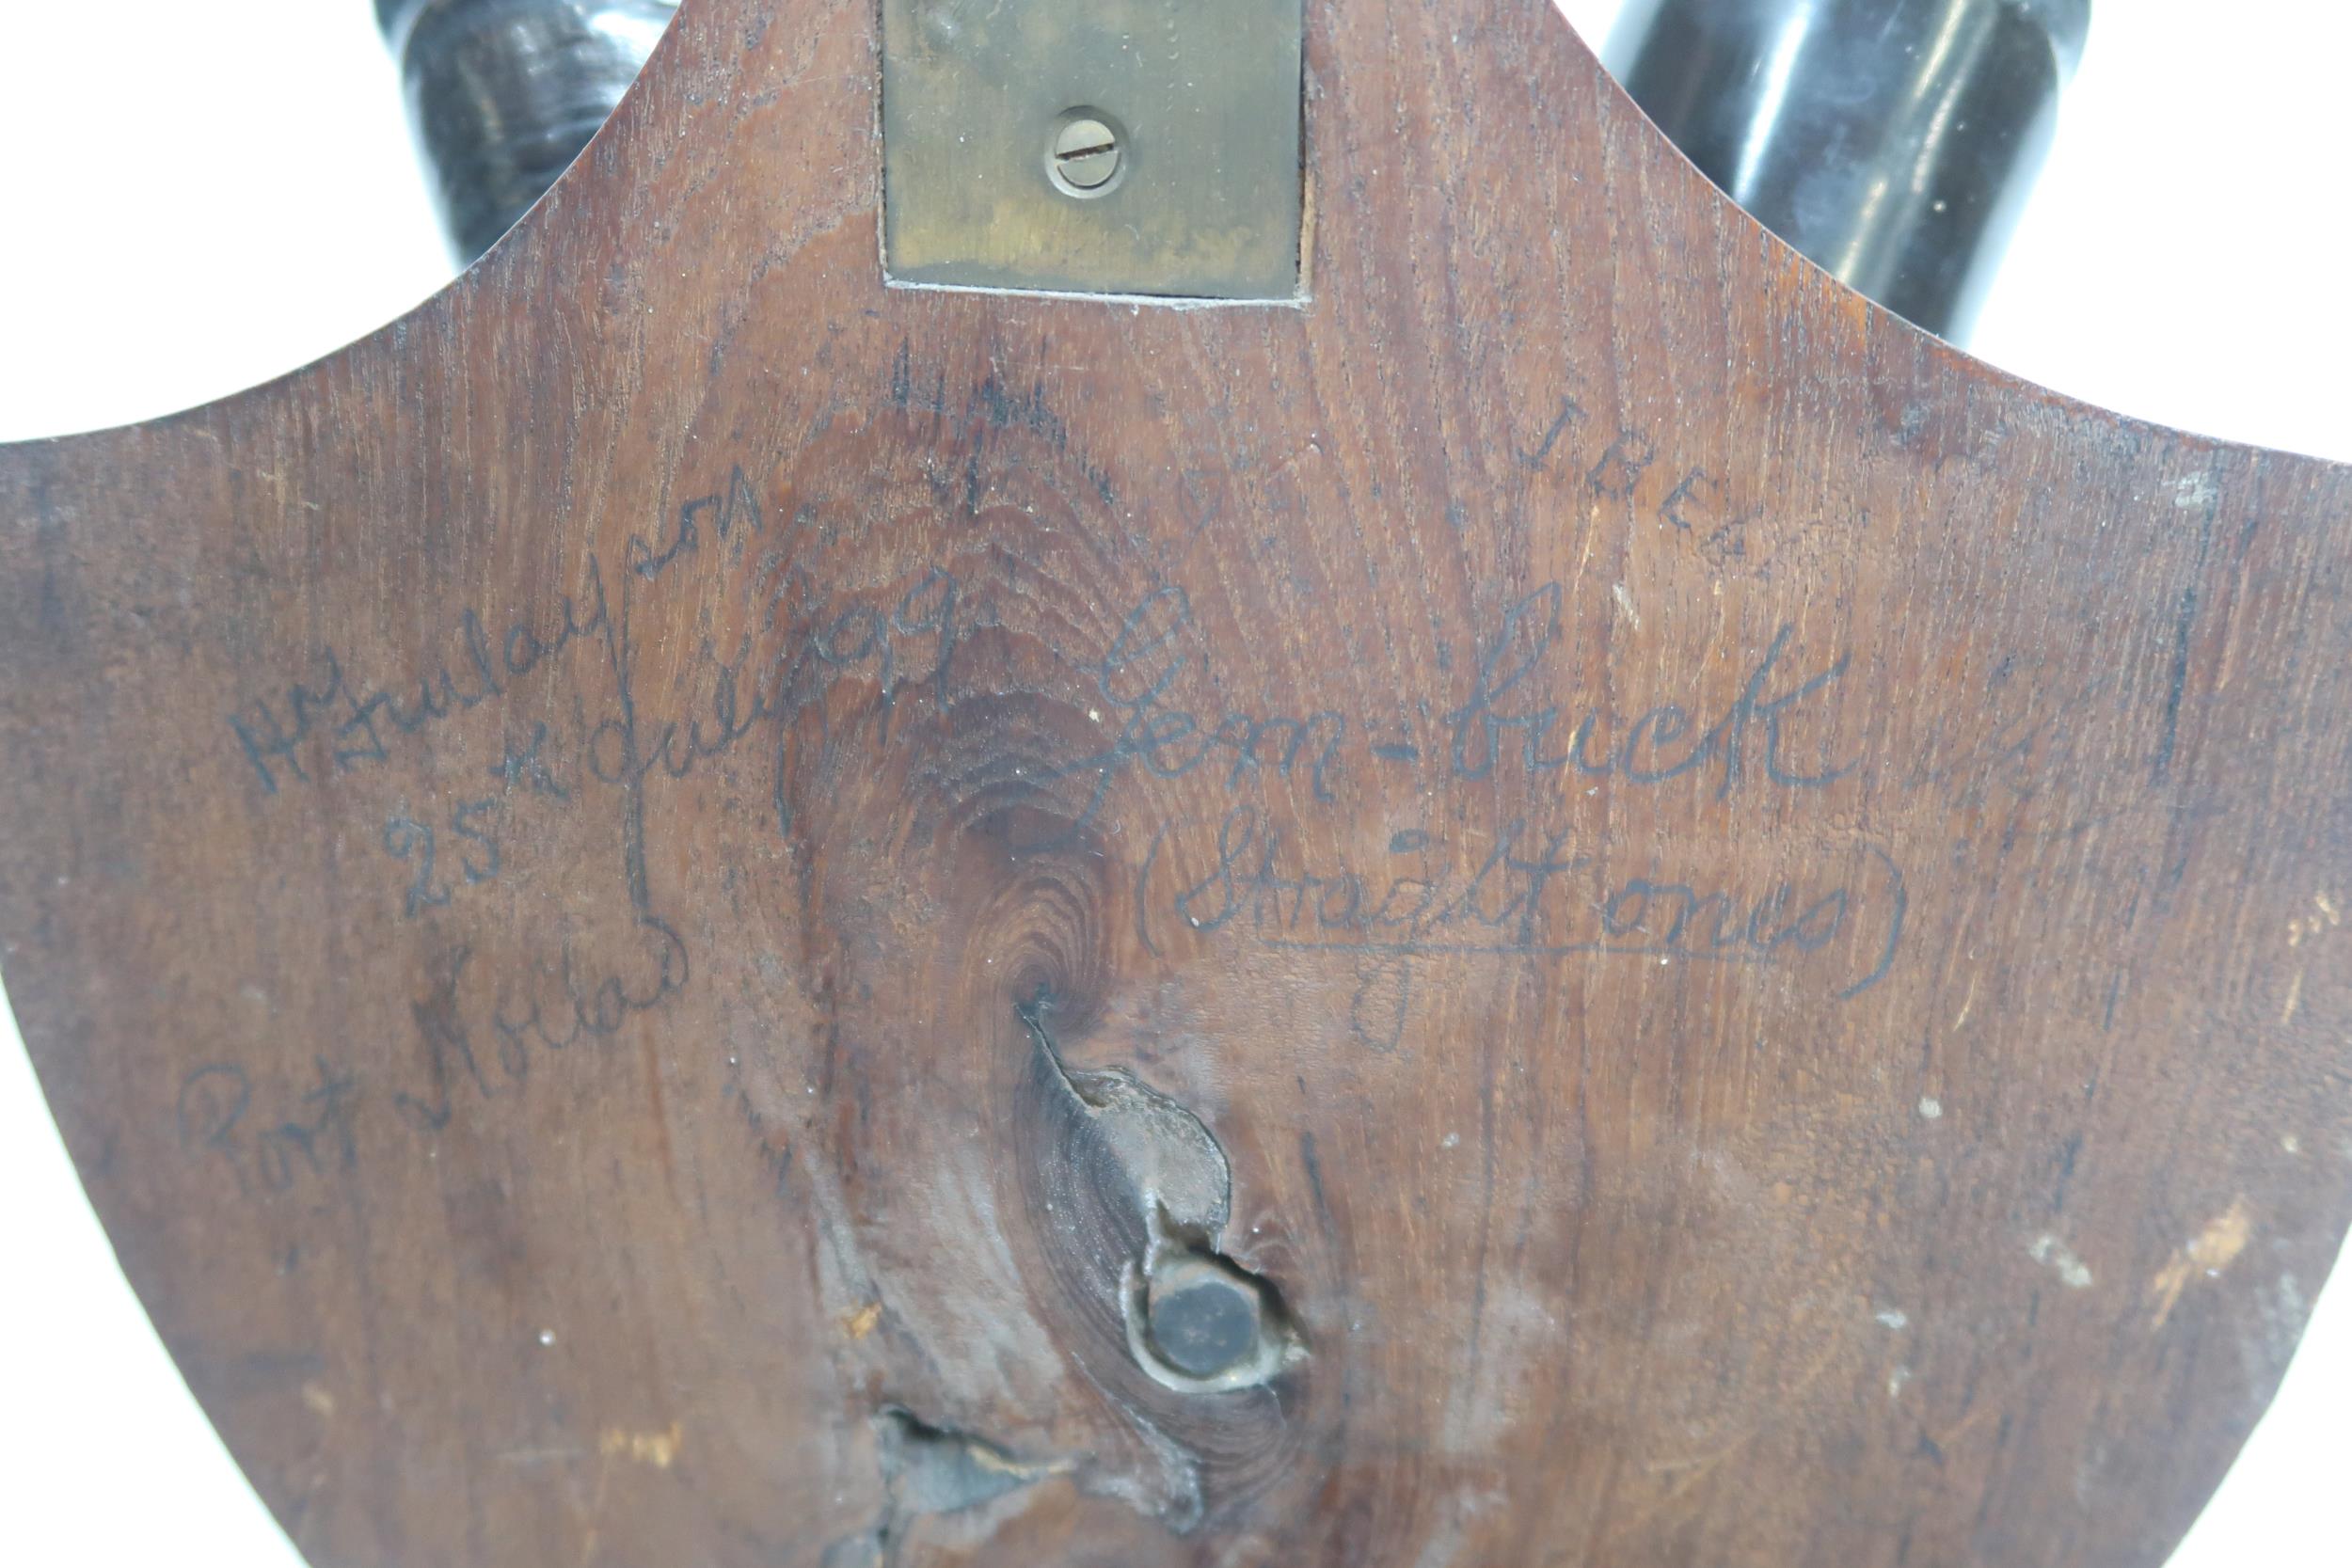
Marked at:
<point>1202,98</point>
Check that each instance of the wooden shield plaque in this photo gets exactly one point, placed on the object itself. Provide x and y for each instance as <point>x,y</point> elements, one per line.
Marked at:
<point>675,909</point>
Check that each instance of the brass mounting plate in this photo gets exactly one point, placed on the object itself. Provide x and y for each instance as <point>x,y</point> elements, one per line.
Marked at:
<point>1202,96</point>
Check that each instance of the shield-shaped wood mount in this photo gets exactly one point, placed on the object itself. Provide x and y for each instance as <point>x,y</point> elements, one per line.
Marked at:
<point>1564,898</point>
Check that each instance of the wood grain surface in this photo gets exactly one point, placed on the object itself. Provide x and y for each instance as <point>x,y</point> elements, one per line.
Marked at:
<point>640,896</point>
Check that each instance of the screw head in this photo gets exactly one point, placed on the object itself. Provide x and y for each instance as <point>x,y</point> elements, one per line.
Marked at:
<point>1203,1319</point>
<point>1084,155</point>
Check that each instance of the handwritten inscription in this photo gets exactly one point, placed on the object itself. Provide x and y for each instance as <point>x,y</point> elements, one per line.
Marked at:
<point>353,717</point>
<point>469,1042</point>
<point>798,668</point>
<point>528,1018</point>
<point>1531,894</point>
<point>1623,466</point>
<point>808,639</point>
<point>311,1137</point>
<point>1502,719</point>
<point>407,839</point>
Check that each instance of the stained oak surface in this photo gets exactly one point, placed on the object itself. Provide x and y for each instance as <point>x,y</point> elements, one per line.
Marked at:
<point>1752,910</point>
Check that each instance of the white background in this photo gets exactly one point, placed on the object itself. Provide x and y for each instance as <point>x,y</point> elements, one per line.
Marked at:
<point>198,196</point>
